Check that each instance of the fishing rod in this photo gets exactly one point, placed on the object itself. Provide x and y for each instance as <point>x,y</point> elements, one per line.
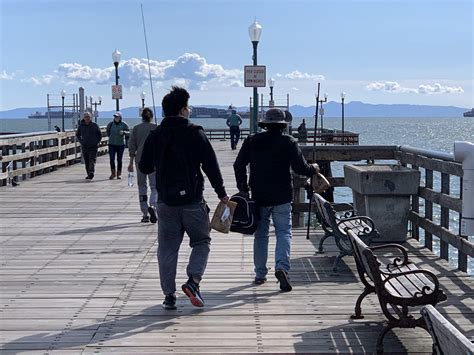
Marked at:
<point>313,161</point>
<point>148,58</point>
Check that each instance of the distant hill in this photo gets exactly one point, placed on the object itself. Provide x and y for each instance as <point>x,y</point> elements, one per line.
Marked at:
<point>331,109</point>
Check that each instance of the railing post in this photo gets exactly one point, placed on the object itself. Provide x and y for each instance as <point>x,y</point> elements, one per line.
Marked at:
<point>444,246</point>
<point>15,178</point>
<point>23,161</point>
<point>32,159</point>
<point>428,208</point>
<point>415,206</point>
<point>5,152</point>
<point>462,257</point>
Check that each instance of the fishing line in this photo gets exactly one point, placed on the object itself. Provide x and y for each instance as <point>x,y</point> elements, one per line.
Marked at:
<point>148,58</point>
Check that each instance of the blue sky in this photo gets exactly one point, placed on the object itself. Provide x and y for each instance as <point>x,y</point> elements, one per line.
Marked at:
<point>391,51</point>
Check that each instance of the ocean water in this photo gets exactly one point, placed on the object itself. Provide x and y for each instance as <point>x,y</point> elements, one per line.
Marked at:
<point>438,134</point>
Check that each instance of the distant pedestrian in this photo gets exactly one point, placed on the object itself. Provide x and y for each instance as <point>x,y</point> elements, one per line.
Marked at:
<point>302,132</point>
<point>117,131</point>
<point>179,151</point>
<point>89,135</point>
<point>270,155</point>
<point>135,147</point>
<point>233,122</point>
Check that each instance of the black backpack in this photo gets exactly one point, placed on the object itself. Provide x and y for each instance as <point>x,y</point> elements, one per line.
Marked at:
<point>174,182</point>
<point>246,214</point>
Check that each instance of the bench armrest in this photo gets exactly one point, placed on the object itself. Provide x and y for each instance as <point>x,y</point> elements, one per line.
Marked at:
<point>370,226</point>
<point>425,290</point>
<point>396,261</point>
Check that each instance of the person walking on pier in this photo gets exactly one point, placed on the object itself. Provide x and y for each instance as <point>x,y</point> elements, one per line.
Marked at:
<point>233,122</point>
<point>89,135</point>
<point>116,131</point>
<point>135,146</point>
<point>178,150</point>
<point>271,154</point>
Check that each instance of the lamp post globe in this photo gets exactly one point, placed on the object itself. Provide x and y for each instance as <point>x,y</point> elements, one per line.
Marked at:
<point>255,31</point>
<point>116,58</point>
<point>100,100</point>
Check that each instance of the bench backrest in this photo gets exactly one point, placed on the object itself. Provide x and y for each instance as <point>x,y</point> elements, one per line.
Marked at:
<point>325,210</point>
<point>446,338</point>
<point>364,257</point>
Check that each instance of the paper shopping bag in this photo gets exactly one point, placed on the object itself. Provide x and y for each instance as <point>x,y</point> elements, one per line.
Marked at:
<point>222,218</point>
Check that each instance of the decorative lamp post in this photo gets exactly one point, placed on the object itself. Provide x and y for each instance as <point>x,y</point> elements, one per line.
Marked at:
<point>95,103</point>
<point>255,31</point>
<point>322,110</point>
<point>116,59</point>
<point>343,96</point>
<point>271,83</point>
<point>143,95</point>
<point>63,95</point>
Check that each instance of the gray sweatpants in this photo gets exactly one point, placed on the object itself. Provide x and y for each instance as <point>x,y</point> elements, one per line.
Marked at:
<point>173,221</point>
<point>143,190</point>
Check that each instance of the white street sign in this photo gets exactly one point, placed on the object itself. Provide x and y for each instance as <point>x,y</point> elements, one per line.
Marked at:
<point>116,92</point>
<point>255,76</point>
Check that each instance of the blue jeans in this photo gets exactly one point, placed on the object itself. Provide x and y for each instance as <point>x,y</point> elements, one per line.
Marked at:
<point>281,216</point>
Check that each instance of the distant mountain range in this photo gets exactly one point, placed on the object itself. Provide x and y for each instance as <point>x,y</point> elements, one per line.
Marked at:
<point>331,109</point>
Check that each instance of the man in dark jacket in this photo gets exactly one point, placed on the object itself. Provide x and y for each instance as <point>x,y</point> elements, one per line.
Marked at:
<point>89,135</point>
<point>178,150</point>
<point>271,154</point>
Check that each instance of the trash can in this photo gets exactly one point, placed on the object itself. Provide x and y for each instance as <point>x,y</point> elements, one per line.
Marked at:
<point>382,192</point>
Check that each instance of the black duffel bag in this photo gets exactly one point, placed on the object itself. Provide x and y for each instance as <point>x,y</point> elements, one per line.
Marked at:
<point>246,214</point>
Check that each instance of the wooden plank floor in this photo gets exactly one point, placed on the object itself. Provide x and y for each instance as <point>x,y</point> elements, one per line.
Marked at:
<point>79,275</point>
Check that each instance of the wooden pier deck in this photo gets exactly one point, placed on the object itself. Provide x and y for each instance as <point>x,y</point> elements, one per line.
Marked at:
<point>79,275</point>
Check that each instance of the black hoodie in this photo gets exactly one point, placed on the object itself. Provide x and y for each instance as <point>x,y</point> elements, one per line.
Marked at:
<point>270,155</point>
<point>196,148</point>
<point>89,135</point>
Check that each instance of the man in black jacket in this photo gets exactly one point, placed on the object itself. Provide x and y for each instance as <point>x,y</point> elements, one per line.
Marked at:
<point>89,135</point>
<point>270,155</point>
<point>178,150</point>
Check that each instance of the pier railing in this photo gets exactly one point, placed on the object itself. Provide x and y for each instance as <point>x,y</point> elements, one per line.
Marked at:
<point>437,203</point>
<point>26,155</point>
<point>324,136</point>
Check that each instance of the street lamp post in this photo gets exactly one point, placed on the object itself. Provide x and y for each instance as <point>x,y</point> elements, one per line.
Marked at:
<point>271,83</point>
<point>95,103</point>
<point>343,96</point>
<point>63,95</point>
<point>116,59</point>
<point>255,31</point>
<point>142,96</point>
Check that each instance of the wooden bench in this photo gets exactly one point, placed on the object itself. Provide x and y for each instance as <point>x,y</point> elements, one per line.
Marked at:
<point>446,338</point>
<point>398,284</point>
<point>334,225</point>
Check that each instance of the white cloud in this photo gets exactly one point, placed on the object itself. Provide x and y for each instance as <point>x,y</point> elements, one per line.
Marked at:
<point>438,88</point>
<point>190,70</point>
<point>5,76</point>
<point>41,80</point>
<point>394,87</point>
<point>296,74</point>
<point>295,89</point>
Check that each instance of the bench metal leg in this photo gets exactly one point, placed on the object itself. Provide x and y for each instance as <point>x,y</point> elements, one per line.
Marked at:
<point>358,310</point>
<point>320,247</point>
<point>387,328</point>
